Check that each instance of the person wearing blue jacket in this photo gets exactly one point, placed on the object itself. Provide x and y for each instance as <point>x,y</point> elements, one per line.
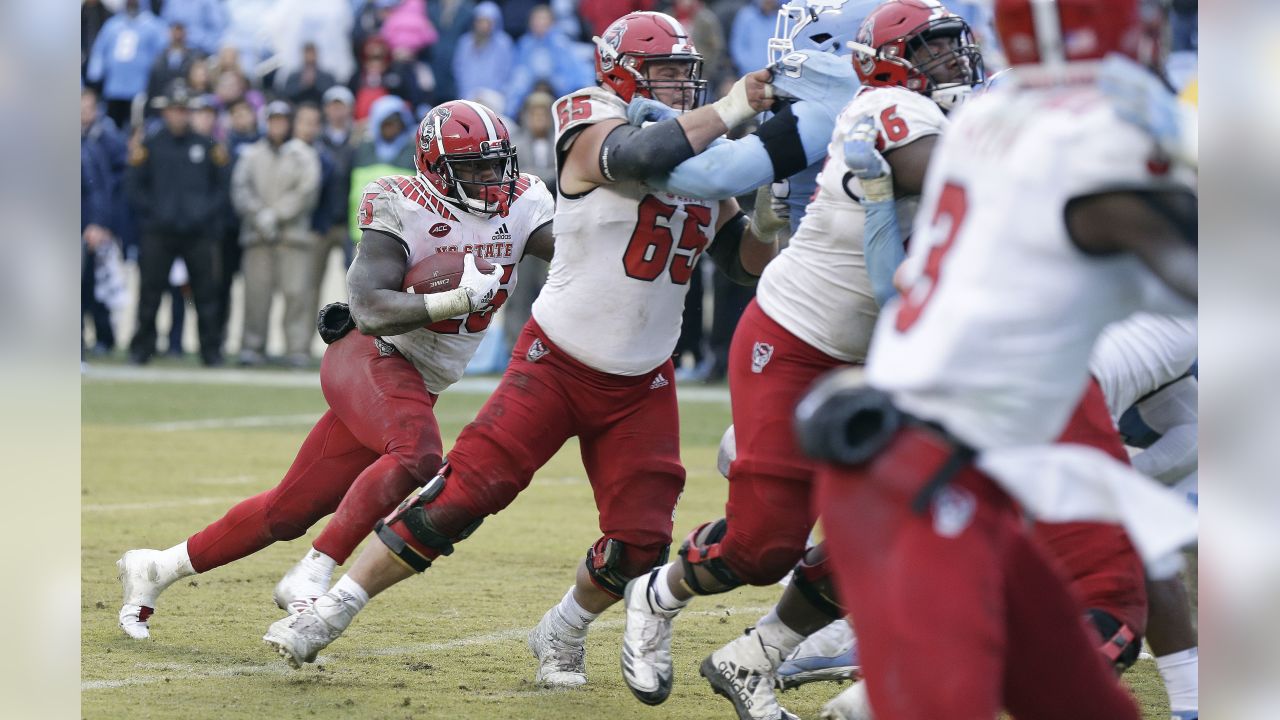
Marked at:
<point>122,55</point>
<point>545,55</point>
<point>205,21</point>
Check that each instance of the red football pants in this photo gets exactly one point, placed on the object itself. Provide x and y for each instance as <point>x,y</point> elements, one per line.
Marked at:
<point>769,510</point>
<point>957,612</point>
<point>628,430</point>
<point>1098,559</point>
<point>376,443</point>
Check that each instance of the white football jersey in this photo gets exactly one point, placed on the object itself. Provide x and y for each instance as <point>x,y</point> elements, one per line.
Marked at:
<point>614,295</point>
<point>411,210</point>
<point>1141,354</point>
<point>818,287</point>
<point>994,335</point>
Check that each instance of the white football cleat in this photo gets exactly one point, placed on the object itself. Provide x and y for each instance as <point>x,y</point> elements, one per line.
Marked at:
<point>646,642</point>
<point>143,574</point>
<point>743,672</point>
<point>299,588</point>
<point>299,638</point>
<point>852,704</point>
<point>831,654</point>
<point>562,658</point>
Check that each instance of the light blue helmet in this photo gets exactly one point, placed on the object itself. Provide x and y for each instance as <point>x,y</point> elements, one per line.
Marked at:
<point>823,25</point>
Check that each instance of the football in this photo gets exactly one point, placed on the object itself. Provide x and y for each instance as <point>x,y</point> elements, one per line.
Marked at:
<point>439,272</point>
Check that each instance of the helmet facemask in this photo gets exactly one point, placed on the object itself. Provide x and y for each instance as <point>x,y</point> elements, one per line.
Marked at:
<point>482,183</point>
<point>688,88</point>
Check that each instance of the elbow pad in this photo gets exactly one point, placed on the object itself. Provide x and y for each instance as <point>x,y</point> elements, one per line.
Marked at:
<point>632,153</point>
<point>724,250</point>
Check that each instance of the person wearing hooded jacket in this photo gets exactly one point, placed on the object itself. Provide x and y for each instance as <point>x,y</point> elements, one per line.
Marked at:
<point>387,151</point>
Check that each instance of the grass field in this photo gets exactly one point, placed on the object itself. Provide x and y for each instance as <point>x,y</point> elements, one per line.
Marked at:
<point>163,459</point>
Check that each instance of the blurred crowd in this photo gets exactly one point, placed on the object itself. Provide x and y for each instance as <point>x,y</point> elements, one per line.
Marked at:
<point>226,137</point>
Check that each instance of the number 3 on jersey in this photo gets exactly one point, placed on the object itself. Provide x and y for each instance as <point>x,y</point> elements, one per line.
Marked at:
<point>952,205</point>
<point>650,246</point>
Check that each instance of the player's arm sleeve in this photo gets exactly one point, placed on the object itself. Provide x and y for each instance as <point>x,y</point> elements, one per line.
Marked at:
<point>725,250</point>
<point>785,144</point>
<point>632,153</point>
<point>883,247</point>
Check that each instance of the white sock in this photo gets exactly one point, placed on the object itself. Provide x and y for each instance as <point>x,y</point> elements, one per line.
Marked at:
<point>1181,673</point>
<point>775,633</point>
<point>575,617</point>
<point>350,593</point>
<point>318,564</point>
<point>175,563</point>
<point>662,590</point>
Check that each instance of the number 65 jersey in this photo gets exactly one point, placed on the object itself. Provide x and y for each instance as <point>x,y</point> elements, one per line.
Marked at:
<point>624,256</point>
<point>994,333</point>
<point>818,287</point>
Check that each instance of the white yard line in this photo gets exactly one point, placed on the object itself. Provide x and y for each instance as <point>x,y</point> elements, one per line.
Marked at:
<point>183,671</point>
<point>161,504</point>
<point>297,379</point>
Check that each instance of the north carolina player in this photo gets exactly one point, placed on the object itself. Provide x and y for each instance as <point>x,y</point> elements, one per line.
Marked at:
<point>1045,218</point>
<point>814,311</point>
<point>379,439</point>
<point>595,359</point>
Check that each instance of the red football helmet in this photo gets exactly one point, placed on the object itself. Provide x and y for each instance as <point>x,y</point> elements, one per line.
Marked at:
<point>637,39</point>
<point>900,44</point>
<point>1052,32</point>
<point>467,136</point>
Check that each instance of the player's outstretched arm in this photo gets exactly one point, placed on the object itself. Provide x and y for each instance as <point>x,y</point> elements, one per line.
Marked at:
<point>738,252</point>
<point>380,307</point>
<point>1158,226</point>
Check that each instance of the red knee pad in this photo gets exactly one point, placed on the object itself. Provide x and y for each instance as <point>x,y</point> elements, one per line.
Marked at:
<point>812,577</point>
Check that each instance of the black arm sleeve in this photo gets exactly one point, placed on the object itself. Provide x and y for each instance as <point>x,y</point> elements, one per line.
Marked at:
<point>780,135</point>
<point>724,250</point>
<point>632,153</point>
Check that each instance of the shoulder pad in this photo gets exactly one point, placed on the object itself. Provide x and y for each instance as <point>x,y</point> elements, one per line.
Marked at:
<point>586,107</point>
<point>901,116</point>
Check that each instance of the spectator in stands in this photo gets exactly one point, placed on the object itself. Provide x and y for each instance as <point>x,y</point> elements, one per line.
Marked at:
<point>275,187</point>
<point>338,139</point>
<point>172,64</point>
<point>308,127</point>
<point>93,15</point>
<point>749,37</point>
<point>289,24</point>
<point>380,75</point>
<point>232,86</point>
<point>484,55</point>
<point>369,17</point>
<point>96,196</point>
<point>708,37</point>
<point>407,29</point>
<point>122,56</point>
<point>516,17</point>
<point>176,181</point>
<point>198,81</point>
<point>308,83</point>
<point>388,151</point>
<point>452,19</point>
<point>242,133</point>
<point>599,14</point>
<point>545,56</point>
<point>204,116</point>
<point>205,21</point>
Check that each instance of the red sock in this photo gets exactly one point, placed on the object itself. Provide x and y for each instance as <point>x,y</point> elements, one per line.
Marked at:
<point>372,497</point>
<point>328,462</point>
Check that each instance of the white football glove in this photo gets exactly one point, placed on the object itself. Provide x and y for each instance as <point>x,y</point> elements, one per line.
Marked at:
<point>480,287</point>
<point>768,221</point>
<point>866,163</point>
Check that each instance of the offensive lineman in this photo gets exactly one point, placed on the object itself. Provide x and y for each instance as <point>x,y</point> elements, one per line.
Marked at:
<point>595,359</point>
<point>379,439</point>
<point>814,311</point>
<point>1045,218</point>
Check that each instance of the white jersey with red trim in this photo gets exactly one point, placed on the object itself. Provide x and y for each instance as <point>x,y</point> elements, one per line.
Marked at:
<point>994,334</point>
<point>1141,354</point>
<point>818,287</point>
<point>411,210</point>
<point>614,295</point>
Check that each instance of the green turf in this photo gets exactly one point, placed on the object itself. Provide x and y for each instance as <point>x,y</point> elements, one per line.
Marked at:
<point>447,645</point>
